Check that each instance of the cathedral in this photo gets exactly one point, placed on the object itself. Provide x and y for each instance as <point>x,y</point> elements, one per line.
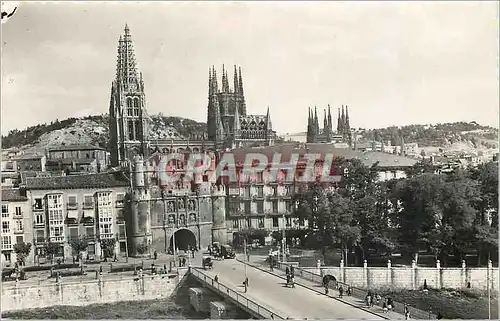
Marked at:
<point>327,134</point>
<point>228,124</point>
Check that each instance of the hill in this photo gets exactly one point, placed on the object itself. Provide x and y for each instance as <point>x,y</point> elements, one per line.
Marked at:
<point>94,130</point>
<point>462,135</point>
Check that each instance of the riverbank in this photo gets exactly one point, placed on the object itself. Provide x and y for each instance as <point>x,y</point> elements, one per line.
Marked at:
<point>452,304</point>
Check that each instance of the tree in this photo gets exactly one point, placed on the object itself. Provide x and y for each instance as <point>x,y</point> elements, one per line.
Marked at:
<point>22,250</point>
<point>108,248</point>
<point>79,245</point>
<point>51,250</point>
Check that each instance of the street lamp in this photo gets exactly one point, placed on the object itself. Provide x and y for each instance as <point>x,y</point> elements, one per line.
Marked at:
<point>283,240</point>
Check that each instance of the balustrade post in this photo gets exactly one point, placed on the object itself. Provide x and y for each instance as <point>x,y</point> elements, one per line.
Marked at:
<point>438,274</point>
<point>365,273</point>
<point>413,274</point>
<point>388,276</point>
<point>464,274</point>
<point>342,271</point>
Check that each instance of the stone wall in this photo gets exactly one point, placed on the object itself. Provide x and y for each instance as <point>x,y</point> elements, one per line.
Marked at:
<point>412,277</point>
<point>148,287</point>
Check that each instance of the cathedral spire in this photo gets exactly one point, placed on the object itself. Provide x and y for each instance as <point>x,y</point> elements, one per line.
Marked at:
<point>268,119</point>
<point>236,85</point>
<point>214,81</point>
<point>225,82</point>
<point>236,122</point>
<point>330,128</point>
<point>316,122</point>
<point>325,123</point>
<point>210,84</point>
<point>126,69</point>
<point>347,125</point>
<point>339,122</point>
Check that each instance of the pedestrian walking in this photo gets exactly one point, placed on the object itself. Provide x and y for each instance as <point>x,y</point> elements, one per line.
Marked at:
<point>349,291</point>
<point>246,280</point>
<point>216,278</point>
<point>287,270</point>
<point>155,254</point>
<point>183,261</point>
<point>341,291</point>
<point>384,307</point>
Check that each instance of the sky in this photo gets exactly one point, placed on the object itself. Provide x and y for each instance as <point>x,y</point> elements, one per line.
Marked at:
<point>392,63</point>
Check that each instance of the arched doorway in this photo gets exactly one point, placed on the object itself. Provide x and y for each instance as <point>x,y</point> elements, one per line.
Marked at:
<point>330,280</point>
<point>184,238</point>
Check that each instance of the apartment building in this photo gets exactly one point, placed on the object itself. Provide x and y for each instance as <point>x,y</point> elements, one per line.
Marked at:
<point>263,202</point>
<point>87,206</point>
<point>16,224</point>
<point>77,159</point>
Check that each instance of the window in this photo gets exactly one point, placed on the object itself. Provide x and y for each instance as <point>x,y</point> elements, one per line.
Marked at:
<point>19,211</point>
<point>19,239</point>
<point>55,207</point>
<point>72,201</point>
<point>275,222</point>
<point>6,242</point>
<point>136,103</point>
<point>39,218</point>
<point>105,211</point>
<point>56,231</point>
<point>275,206</point>
<point>260,207</point>
<point>301,222</point>
<point>38,204</point>
<point>131,130</point>
<point>275,190</point>
<point>138,127</point>
<point>287,190</point>
<point>73,233</point>
<point>90,232</point>
<point>121,231</point>
<point>91,249</point>
<point>129,102</point>
<point>261,222</point>
<point>40,236</point>
<point>5,211</point>
<point>235,223</point>
<point>136,112</point>
<point>129,112</point>
<point>88,201</point>
<point>249,222</point>
<point>19,225</point>
<point>234,208</point>
<point>247,192</point>
<point>260,191</point>
<point>5,227</point>
<point>260,177</point>
<point>288,221</point>
<point>248,208</point>
<point>288,206</point>
<point>119,199</point>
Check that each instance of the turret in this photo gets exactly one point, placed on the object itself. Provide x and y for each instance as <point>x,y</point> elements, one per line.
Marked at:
<point>138,171</point>
<point>219,228</point>
<point>235,81</point>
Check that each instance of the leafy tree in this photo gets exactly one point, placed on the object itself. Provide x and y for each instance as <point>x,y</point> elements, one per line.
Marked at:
<point>79,245</point>
<point>108,248</point>
<point>51,250</point>
<point>22,250</point>
<point>421,167</point>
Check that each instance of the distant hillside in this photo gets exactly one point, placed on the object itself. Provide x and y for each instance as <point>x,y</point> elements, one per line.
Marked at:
<point>438,135</point>
<point>94,130</point>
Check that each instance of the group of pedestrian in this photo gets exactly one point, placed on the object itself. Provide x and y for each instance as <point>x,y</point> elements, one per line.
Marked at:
<point>182,261</point>
<point>290,276</point>
<point>388,305</point>
<point>372,298</point>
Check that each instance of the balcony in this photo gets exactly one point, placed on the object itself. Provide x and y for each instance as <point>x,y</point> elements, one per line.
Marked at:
<point>87,220</point>
<point>106,236</point>
<point>90,238</point>
<point>72,206</point>
<point>119,204</point>
<point>18,215</point>
<point>6,246</point>
<point>40,240</point>
<point>57,239</point>
<point>38,208</point>
<point>88,206</point>
<point>71,221</point>
<point>35,223</point>
<point>18,231</point>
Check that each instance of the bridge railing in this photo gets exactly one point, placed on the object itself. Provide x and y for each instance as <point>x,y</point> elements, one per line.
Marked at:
<point>263,312</point>
<point>360,293</point>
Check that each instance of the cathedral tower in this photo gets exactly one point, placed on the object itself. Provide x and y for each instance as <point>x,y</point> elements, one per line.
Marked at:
<point>128,121</point>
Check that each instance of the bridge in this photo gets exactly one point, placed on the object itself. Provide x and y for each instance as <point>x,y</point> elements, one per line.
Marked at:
<point>267,297</point>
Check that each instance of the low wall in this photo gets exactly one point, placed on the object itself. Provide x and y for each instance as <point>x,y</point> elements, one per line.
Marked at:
<point>148,287</point>
<point>412,277</point>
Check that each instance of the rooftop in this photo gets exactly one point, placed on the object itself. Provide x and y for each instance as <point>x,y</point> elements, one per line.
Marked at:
<point>286,150</point>
<point>101,180</point>
<point>29,157</point>
<point>12,194</point>
<point>74,147</point>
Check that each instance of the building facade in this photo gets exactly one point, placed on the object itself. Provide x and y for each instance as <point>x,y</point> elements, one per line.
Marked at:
<point>73,159</point>
<point>16,224</point>
<point>65,208</point>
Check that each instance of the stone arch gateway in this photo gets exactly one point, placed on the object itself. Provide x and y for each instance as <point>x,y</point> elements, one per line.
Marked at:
<point>184,239</point>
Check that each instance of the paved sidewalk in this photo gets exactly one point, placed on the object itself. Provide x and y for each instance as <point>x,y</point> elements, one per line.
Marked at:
<point>259,262</point>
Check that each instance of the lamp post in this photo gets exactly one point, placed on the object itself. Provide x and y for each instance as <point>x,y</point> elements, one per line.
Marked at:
<point>283,240</point>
